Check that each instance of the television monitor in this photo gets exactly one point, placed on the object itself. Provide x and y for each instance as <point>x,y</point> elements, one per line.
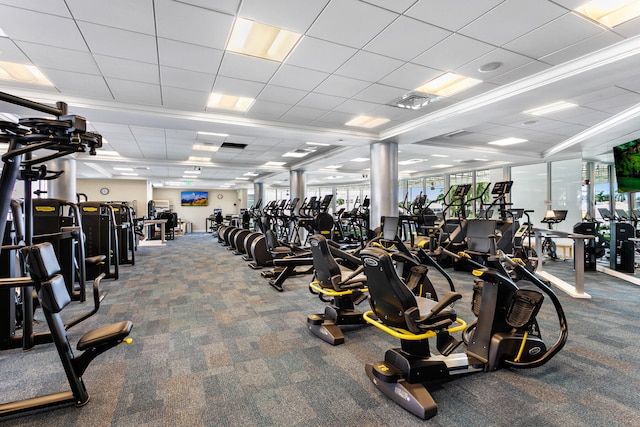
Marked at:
<point>627,165</point>
<point>194,198</point>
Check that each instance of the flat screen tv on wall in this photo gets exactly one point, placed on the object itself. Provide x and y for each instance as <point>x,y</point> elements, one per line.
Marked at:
<point>627,164</point>
<point>194,198</point>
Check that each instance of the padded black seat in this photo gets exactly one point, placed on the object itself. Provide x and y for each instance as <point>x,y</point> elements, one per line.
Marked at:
<point>105,335</point>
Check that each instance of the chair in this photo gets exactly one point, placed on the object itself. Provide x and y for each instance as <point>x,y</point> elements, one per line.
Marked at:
<point>344,288</point>
<point>52,291</point>
<point>170,226</point>
<point>398,312</point>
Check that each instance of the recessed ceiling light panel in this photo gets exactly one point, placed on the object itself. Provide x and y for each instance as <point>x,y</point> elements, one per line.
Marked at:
<point>261,40</point>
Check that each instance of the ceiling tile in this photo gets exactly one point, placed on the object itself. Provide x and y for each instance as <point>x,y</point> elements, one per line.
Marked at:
<point>583,47</point>
<point>498,27</point>
<point>341,86</point>
<point>184,98</point>
<point>398,6</point>
<point>300,114</point>
<point>60,59</point>
<point>138,16</point>
<point>188,56</point>
<point>406,38</point>
<point>267,110</point>
<point>410,76</point>
<point>355,107</point>
<point>79,84</point>
<point>227,6</point>
<point>557,34</point>
<point>292,15</point>
<point>452,14</point>
<point>136,92</point>
<point>466,49</point>
<point>368,66</point>
<point>318,100</point>
<point>51,7</point>
<point>520,72</point>
<point>380,94</point>
<point>247,67</point>
<point>185,79</point>
<point>237,87</point>
<point>297,77</point>
<point>510,61</point>
<point>344,22</point>
<point>190,24</point>
<point>319,55</point>
<point>126,69</point>
<point>40,28</point>
<point>119,43</point>
<point>9,52</point>
<point>281,95</point>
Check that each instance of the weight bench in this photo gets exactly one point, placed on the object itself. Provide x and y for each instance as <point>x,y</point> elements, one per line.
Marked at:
<point>44,270</point>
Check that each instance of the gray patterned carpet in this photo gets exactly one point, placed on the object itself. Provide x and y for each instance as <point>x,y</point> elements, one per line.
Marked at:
<point>215,345</point>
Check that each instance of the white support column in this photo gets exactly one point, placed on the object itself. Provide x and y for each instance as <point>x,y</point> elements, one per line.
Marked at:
<point>383,179</point>
<point>63,187</point>
<point>258,192</point>
<point>297,186</point>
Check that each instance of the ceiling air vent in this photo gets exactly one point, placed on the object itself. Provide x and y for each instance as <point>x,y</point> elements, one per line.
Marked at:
<point>233,145</point>
<point>457,134</point>
<point>414,100</point>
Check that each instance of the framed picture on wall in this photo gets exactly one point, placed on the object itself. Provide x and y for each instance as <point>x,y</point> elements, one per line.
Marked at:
<point>194,198</point>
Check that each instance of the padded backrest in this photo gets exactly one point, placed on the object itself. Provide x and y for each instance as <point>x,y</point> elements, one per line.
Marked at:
<point>53,294</point>
<point>324,265</point>
<point>478,232</point>
<point>389,296</point>
<point>42,261</point>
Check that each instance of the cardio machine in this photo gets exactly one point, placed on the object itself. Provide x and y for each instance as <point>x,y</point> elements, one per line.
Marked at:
<point>505,333</point>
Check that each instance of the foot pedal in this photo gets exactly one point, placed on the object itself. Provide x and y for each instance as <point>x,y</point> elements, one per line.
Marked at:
<point>386,372</point>
<point>445,343</point>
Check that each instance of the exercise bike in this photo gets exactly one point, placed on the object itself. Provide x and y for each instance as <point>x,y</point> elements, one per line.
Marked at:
<point>505,333</point>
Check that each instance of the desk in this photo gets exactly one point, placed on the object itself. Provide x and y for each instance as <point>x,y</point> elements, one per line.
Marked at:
<point>146,241</point>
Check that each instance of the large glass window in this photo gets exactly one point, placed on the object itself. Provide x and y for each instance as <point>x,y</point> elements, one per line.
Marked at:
<point>566,191</point>
<point>529,190</point>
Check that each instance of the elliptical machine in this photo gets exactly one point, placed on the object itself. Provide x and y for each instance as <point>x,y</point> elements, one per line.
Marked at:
<point>505,333</point>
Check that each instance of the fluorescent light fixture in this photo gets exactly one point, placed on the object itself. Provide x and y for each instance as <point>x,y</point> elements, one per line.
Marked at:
<point>123,169</point>
<point>261,40</point>
<point>360,159</point>
<point>129,174</point>
<point>410,162</point>
<point>2,33</point>
<point>108,153</point>
<point>439,155</point>
<point>481,160</point>
<point>507,141</point>
<point>223,135</point>
<point>448,84</point>
<point>192,172</point>
<point>250,174</point>
<point>242,179</point>
<point>157,184</point>
<point>320,144</point>
<point>173,183</point>
<point>99,169</point>
<point>199,159</point>
<point>408,172</point>
<point>610,12</point>
<point>295,154</point>
<point>229,102</point>
<point>203,147</point>
<point>333,167</point>
<point>190,176</point>
<point>275,163</point>
<point>23,73</point>
<point>442,166</point>
<point>367,122</point>
<point>550,108</point>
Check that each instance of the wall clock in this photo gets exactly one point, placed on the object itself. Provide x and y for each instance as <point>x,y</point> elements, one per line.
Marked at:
<point>220,196</point>
<point>104,191</point>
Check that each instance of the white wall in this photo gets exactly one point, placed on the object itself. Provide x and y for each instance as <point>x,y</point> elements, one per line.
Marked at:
<point>231,201</point>
<point>120,190</point>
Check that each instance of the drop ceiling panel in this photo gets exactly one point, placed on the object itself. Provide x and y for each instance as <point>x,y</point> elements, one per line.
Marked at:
<point>127,69</point>
<point>184,98</point>
<point>524,71</point>
<point>267,110</point>
<point>9,52</point>
<point>297,77</point>
<point>231,86</point>
<point>136,92</point>
<point>227,6</point>
<point>409,76</point>
<point>452,14</point>
<point>188,56</point>
<point>293,15</point>
<point>319,55</point>
<point>185,79</point>
<point>583,47</point>
<point>300,114</point>
<point>344,22</point>
<point>341,86</point>
<point>379,94</point>
<point>247,67</point>
<point>119,43</point>
<point>498,27</point>
<point>281,95</point>
<point>52,7</point>
<point>40,28</point>
<point>558,34</point>
<point>368,66</point>
<point>318,100</point>
<point>406,38</point>
<point>510,61</point>
<point>124,14</point>
<point>190,24</point>
<point>79,84</point>
<point>466,49</point>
